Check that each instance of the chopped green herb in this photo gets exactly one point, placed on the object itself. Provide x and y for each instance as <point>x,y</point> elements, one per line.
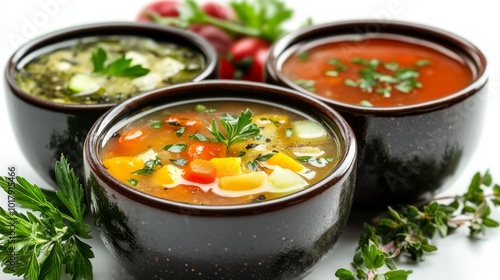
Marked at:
<point>242,153</point>
<point>200,108</point>
<point>392,66</point>
<point>175,148</point>
<point>289,132</point>
<point>156,125</point>
<point>307,84</point>
<point>254,165</point>
<point>365,103</point>
<point>332,73</point>
<point>276,123</point>
<point>258,137</point>
<point>133,181</point>
<point>422,62</point>
<point>119,67</point>
<point>179,162</point>
<point>149,166</point>
<point>264,157</point>
<point>303,56</point>
<point>304,158</point>
<point>180,131</point>
<point>351,83</point>
<point>329,159</point>
<point>198,136</point>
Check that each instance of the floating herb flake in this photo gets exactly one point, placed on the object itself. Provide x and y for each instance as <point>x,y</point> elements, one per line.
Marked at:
<point>175,148</point>
<point>133,181</point>
<point>307,84</point>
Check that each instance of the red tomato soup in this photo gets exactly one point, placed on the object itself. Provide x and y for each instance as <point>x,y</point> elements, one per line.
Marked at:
<point>185,153</point>
<point>377,72</point>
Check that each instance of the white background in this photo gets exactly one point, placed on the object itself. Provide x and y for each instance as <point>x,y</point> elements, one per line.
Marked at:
<point>458,256</point>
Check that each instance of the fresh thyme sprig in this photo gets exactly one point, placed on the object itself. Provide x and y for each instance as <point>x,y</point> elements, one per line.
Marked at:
<point>410,229</point>
<point>47,237</point>
<point>238,128</point>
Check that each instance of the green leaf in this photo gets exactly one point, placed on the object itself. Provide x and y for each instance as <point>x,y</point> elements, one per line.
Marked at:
<point>238,128</point>
<point>358,259</point>
<point>487,222</point>
<point>77,260</point>
<point>33,268</point>
<point>175,148</point>
<point>119,67</point>
<point>344,274</point>
<point>397,274</point>
<point>71,192</point>
<point>496,190</point>
<point>51,266</point>
<point>99,57</point>
<point>374,257</point>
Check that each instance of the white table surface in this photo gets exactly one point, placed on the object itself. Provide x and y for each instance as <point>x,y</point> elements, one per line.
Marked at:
<point>458,256</point>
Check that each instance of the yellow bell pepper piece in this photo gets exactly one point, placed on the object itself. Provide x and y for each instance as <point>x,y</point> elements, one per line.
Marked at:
<point>285,161</point>
<point>122,167</point>
<point>227,166</point>
<point>244,181</point>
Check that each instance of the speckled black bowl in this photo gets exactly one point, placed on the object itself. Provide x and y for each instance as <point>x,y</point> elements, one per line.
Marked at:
<point>407,153</point>
<point>45,129</point>
<point>283,238</point>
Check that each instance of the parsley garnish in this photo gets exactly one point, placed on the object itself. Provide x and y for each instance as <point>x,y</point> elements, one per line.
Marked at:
<point>149,167</point>
<point>175,148</point>
<point>307,84</point>
<point>47,242</point>
<point>372,79</point>
<point>179,162</point>
<point>238,128</point>
<point>119,67</point>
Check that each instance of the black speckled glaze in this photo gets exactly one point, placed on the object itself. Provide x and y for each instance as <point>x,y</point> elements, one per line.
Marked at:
<point>408,153</point>
<point>283,238</point>
<point>45,129</point>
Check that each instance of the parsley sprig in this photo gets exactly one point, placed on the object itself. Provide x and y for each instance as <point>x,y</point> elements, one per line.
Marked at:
<point>409,230</point>
<point>46,237</point>
<point>119,67</point>
<point>238,128</point>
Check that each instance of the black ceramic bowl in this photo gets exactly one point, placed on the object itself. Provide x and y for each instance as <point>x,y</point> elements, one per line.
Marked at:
<point>46,129</point>
<point>283,238</point>
<point>406,153</point>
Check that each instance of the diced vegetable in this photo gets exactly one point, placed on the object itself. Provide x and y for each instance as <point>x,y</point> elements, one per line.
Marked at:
<point>307,129</point>
<point>286,179</point>
<point>206,150</point>
<point>200,171</point>
<point>82,84</point>
<point>241,182</point>
<point>122,167</point>
<point>285,161</point>
<point>163,176</point>
<point>227,166</point>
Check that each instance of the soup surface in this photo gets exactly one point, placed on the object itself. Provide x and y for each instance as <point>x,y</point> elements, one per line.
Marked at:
<point>185,153</point>
<point>106,69</point>
<point>377,72</point>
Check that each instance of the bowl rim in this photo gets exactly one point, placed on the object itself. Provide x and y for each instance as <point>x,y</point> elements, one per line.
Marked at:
<point>346,166</point>
<point>301,35</point>
<point>86,30</point>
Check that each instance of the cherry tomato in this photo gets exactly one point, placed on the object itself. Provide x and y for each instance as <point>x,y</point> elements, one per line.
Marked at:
<point>245,60</point>
<point>164,8</point>
<point>217,37</point>
<point>219,10</point>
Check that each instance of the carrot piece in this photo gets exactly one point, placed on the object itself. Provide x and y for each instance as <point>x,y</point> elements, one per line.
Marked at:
<point>122,167</point>
<point>285,161</point>
<point>206,150</point>
<point>227,166</point>
<point>132,142</point>
<point>186,120</point>
<point>241,182</point>
<point>200,171</point>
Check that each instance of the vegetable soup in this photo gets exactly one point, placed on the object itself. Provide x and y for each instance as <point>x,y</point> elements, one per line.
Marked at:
<point>377,72</point>
<point>215,153</point>
<point>104,70</point>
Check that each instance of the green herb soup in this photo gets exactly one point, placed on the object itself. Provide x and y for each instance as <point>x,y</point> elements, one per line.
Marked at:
<point>103,70</point>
